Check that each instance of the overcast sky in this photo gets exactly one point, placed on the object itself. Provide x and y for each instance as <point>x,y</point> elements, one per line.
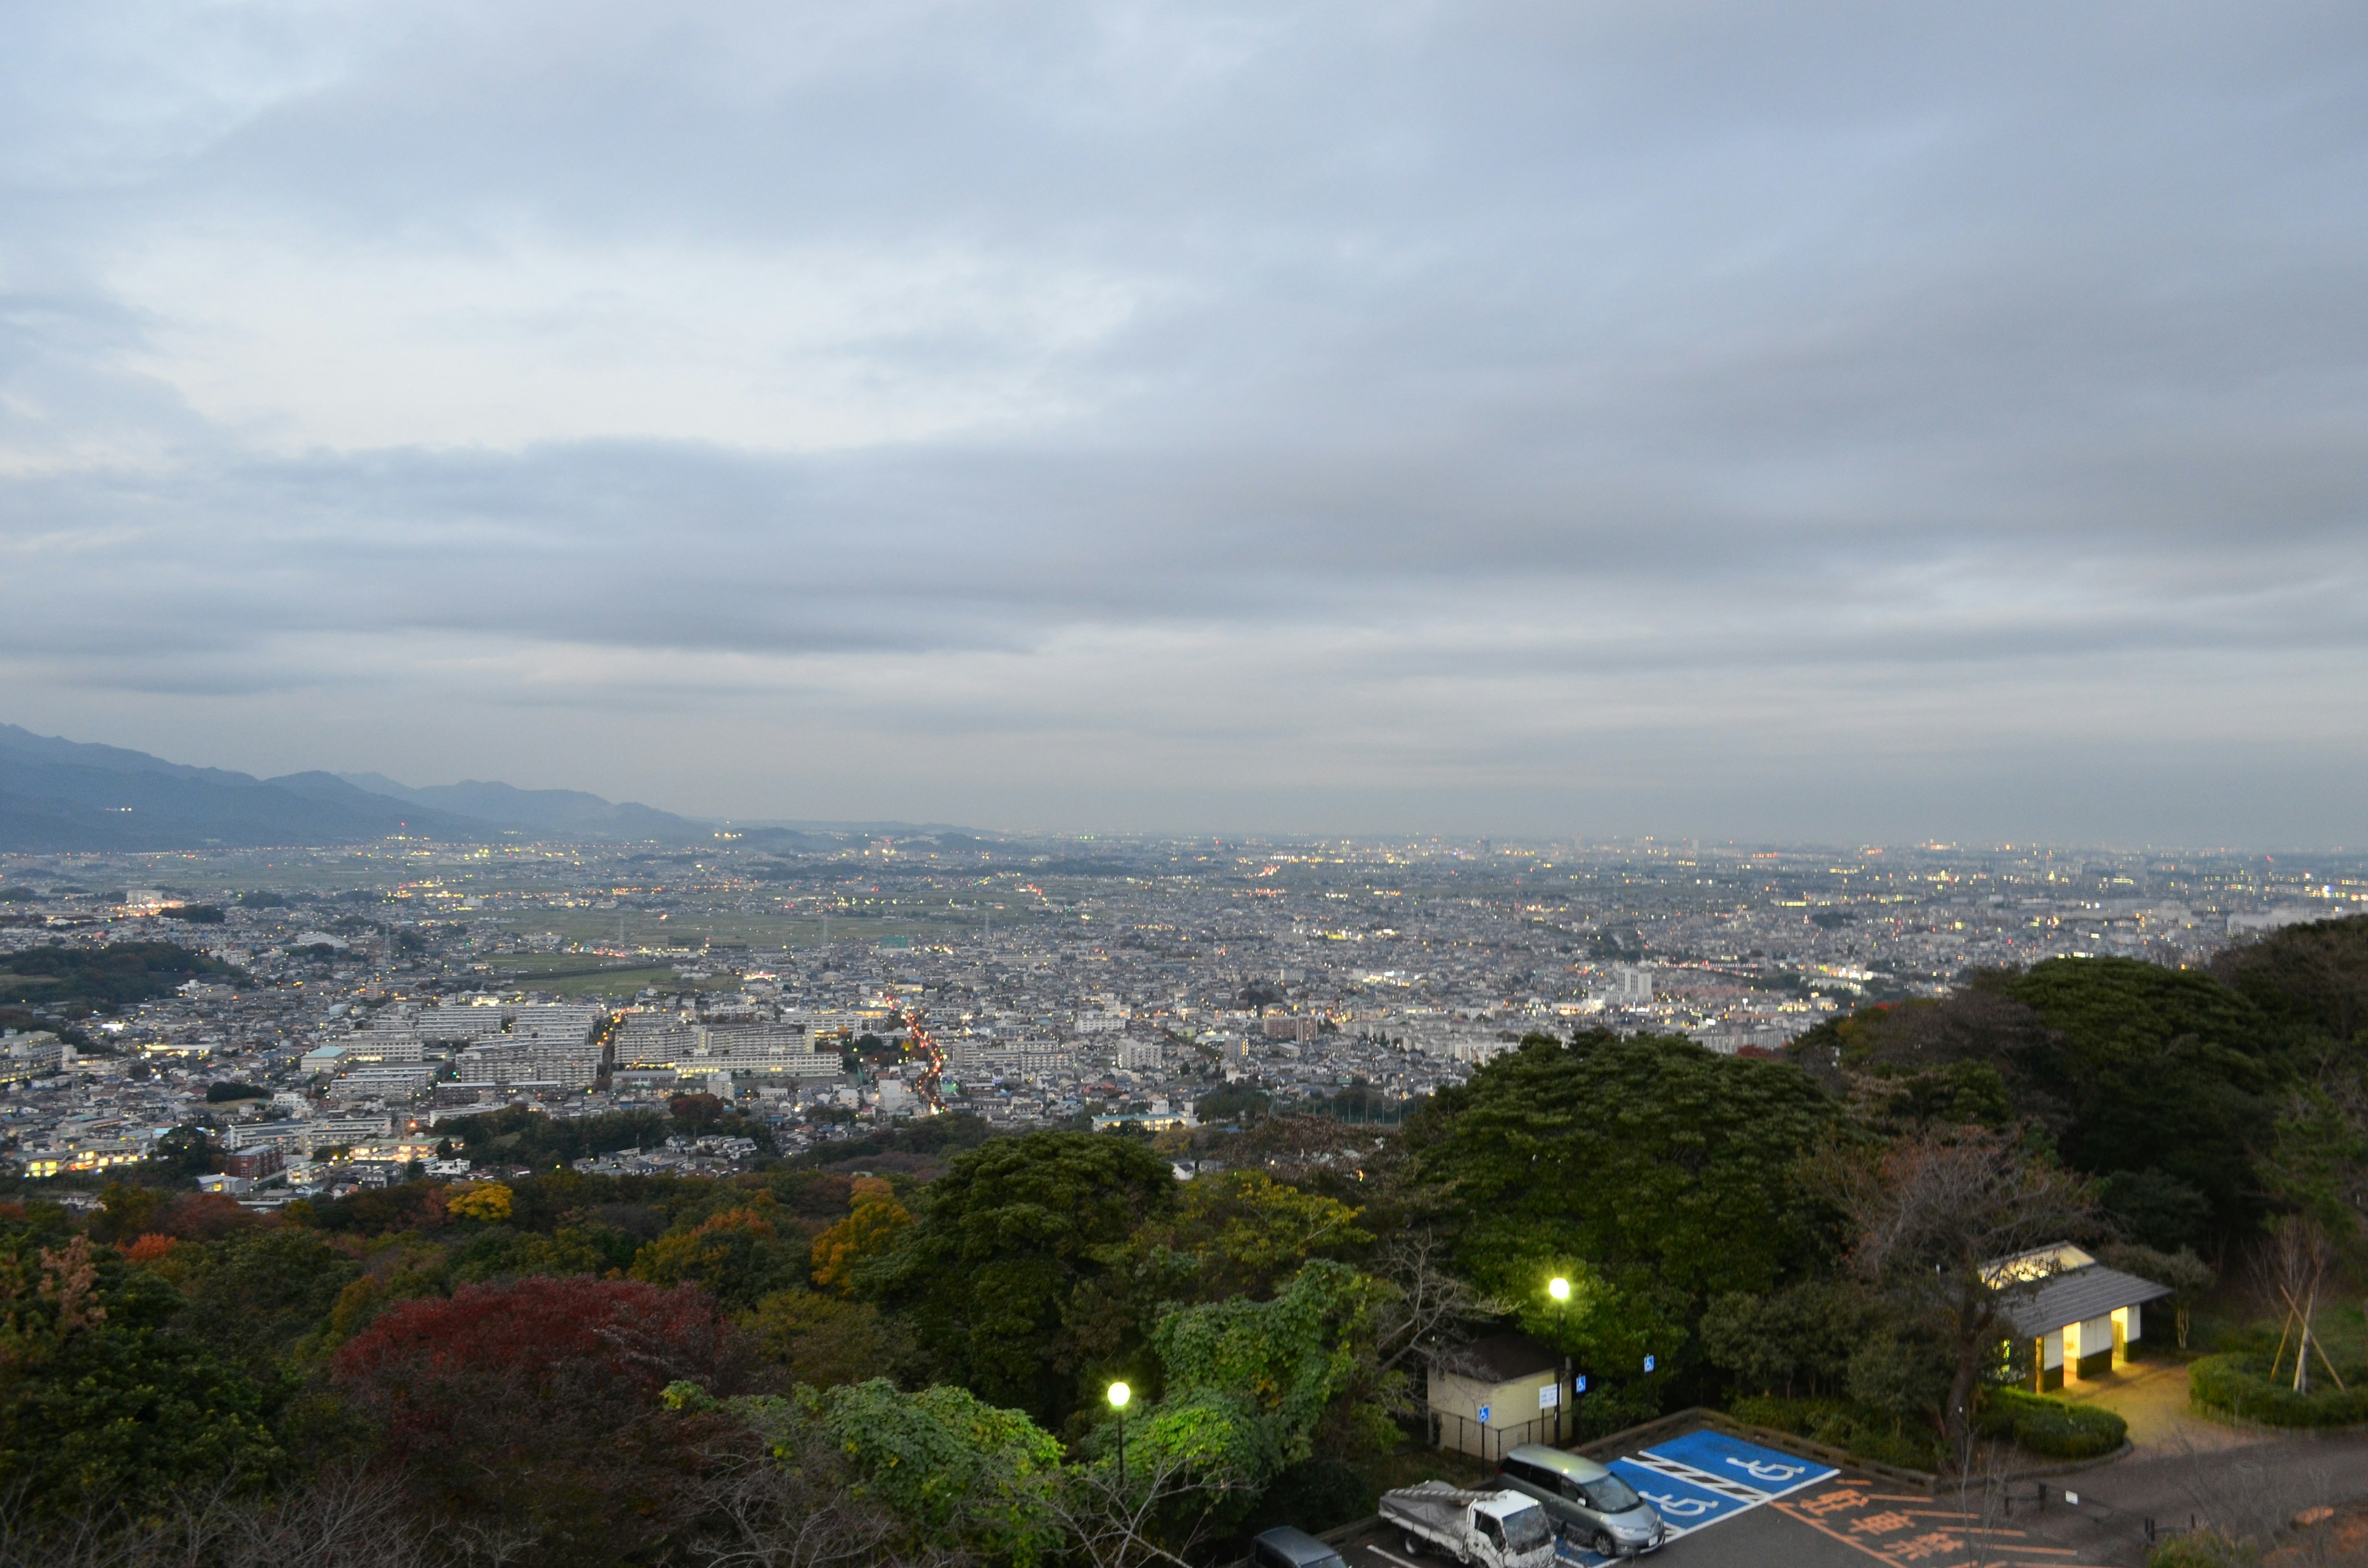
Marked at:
<point>1801,422</point>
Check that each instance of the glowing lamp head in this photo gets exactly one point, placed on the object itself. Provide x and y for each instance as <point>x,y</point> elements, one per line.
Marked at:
<point>1558,1288</point>
<point>1118,1395</point>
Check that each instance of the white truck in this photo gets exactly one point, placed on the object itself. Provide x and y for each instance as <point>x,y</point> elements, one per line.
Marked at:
<point>1482,1529</point>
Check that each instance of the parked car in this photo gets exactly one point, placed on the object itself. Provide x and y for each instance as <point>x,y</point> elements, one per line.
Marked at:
<point>1588,1502</point>
<point>1479,1530</point>
<point>1285,1547</point>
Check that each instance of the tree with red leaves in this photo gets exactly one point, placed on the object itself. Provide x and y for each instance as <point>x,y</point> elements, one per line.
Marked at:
<point>530,1409</point>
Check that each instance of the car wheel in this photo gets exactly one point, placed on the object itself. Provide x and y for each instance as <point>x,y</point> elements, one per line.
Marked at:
<point>1603,1545</point>
<point>1412,1542</point>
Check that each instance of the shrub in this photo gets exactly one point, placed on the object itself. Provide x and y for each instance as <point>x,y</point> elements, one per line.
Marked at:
<point>2050,1427</point>
<point>1866,1433</point>
<point>2204,1550</point>
<point>2240,1385</point>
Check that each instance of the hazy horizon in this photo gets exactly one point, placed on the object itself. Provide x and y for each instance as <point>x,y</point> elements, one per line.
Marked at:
<point>1835,427</point>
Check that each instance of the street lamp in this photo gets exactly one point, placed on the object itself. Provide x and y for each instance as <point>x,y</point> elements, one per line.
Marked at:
<point>1558,1288</point>
<point>1118,1395</point>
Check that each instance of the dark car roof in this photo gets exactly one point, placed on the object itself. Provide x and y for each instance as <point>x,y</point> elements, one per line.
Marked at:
<point>1296,1544</point>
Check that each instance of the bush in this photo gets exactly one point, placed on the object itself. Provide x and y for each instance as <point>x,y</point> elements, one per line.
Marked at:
<point>2050,1427</point>
<point>2240,1385</point>
<point>2205,1550</point>
<point>1865,1433</point>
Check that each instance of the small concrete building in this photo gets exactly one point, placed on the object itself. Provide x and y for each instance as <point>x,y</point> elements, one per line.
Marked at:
<point>2073,1317</point>
<point>1501,1393</point>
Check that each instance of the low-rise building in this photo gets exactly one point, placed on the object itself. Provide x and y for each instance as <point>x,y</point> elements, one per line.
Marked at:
<point>2073,1317</point>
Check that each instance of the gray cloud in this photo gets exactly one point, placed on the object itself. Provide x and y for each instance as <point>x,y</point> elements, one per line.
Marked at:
<point>1678,418</point>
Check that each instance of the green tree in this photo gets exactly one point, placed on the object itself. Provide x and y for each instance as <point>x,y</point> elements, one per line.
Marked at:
<point>956,1466</point>
<point>2163,1070</point>
<point>1670,1174</point>
<point>824,1340</point>
<point>1249,1387</point>
<point>956,1471</point>
<point>253,1299</point>
<point>1004,1238</point>
<point>1231,1233</point>
<point>100,1404</point>
<point>2315,975</point>
<point>1795,1341</point>
<point>737,1254</point>
<point>871,1228</point>
<point>2166,1077</point>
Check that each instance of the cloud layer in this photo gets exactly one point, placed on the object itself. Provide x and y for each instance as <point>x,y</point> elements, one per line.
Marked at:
<point>1848,422</point>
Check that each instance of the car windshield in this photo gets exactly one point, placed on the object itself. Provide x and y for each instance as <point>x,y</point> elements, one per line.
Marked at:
<point>1609,1494</point>
<point>1527,1531</point>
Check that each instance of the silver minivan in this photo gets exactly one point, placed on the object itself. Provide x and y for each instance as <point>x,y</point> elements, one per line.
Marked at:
<point>1586,1501</point>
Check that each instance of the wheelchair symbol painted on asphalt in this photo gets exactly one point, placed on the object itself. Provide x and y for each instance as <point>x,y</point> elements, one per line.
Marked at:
<point>1681,1507</point>
<point>1759,1469</point>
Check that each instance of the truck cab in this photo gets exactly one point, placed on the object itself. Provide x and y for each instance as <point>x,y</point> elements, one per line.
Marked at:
<point>1588,1502</point>
<point>1480,1529</point>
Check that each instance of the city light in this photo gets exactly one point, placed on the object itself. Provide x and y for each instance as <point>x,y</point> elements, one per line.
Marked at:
<point>1558,1288</point>
<point>1118,1395</point>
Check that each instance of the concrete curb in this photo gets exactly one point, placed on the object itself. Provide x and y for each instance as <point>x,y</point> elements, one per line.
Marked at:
<point>2070,1467</point>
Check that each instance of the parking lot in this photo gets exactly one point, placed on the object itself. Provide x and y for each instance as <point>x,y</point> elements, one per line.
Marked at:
<point>1730,1503</point>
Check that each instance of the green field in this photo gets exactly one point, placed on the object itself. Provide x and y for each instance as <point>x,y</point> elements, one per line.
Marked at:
<point>625,982</point>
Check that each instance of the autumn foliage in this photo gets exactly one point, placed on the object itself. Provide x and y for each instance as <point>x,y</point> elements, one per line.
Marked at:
<point>535,1401</point>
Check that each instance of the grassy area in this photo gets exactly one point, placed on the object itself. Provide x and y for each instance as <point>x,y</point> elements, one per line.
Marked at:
<point>625,982</point>
<point>590,974</point>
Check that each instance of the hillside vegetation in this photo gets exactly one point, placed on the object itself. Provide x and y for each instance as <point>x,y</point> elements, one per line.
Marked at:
<point>888,1369</point>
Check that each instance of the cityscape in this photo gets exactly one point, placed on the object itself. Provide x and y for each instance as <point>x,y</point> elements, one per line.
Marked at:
<point>366,996</point>
<point>1287,785</point>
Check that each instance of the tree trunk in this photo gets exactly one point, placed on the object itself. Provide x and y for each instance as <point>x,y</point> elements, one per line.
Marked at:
<point>1958,1417</point>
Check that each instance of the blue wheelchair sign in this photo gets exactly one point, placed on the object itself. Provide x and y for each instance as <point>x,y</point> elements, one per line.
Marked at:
<point>1739,1463</point>
<point>1648,1363</point>
<point>1681,1504</point>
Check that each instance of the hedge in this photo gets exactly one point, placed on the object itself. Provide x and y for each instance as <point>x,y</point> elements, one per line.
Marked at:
<point>1854,1429</point>
<point>2049,1426</point>
<point>2240,1385</point>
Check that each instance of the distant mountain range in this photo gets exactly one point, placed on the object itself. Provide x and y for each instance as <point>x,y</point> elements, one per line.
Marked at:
<point>63,795</point>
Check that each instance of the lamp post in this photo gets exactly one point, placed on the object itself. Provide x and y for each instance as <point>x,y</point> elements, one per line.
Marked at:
<point>1558,1288</point>
<point>1118,1395</point>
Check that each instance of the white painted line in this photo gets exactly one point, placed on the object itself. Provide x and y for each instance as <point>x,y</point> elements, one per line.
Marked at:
<point>1388,1556</point>
<point>1676,1470</point>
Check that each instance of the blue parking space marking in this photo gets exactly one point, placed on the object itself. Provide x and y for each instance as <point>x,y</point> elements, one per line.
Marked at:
<point>1681,1504</point>
<point>1739,1463</point>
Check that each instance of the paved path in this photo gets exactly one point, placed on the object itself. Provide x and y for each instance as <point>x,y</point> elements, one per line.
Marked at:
<point>2152,1397</point>
<point>2249,1488</point>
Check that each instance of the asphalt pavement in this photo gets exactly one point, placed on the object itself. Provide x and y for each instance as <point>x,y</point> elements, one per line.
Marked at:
<point>1754,1507</point>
